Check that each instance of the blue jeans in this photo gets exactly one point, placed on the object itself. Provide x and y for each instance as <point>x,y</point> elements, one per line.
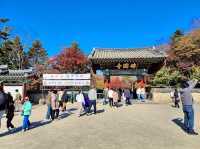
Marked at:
<point>48,115</point>
<point>141,96</point>
<point>138,97</point>
<point>26,122</point>
<point>188,117</point>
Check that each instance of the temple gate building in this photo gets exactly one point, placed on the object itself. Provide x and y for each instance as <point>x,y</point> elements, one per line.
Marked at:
<point>127,62</point>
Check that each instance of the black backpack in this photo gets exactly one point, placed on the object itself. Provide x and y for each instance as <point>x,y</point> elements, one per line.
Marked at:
<point>3,101</point>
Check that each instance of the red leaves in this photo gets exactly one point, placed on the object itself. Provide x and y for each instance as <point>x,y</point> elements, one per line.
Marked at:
<point>70,60</point>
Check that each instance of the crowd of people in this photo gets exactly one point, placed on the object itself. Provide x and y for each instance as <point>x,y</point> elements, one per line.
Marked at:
<point>87,103</point>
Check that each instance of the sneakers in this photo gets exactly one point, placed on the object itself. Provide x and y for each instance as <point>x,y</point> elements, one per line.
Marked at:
<point>192,132</point>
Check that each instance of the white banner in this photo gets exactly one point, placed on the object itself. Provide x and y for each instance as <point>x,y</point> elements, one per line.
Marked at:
<point>66,82</point>
<point>66,76</point>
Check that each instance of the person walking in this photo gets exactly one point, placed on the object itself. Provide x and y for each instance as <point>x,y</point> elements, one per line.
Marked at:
<point>26,112</point>
<point>110,97</point>
<point>127,96</point>
<point>176,98</point>
<point>65,98</point>
<point>57,105</point>
<point>10,111</point>
<point>105,93</point>
<point>138,92</point>
<point>115,98</point>
<point>48,102</point>
<point>92,94</point>
<point>3,103</point>
<point>81,102</point>
<point>60,94</point>
<point>142,94</point>
<point>54,105</point>
<point>187,101</point>
<point>18,100</point>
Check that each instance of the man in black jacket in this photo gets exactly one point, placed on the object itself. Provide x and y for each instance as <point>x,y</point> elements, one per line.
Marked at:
<point>3,103</point>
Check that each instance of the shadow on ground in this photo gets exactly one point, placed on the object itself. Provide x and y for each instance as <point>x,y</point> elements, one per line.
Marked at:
<point>179,122</point>
<point>100,111</point>
<point>92,112</point>
<point>67,113</point>
<point>38,123</point>
<point>18,129</point>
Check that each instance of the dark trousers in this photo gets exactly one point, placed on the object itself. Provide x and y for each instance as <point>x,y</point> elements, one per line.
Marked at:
<point>111,102</point>
<point>60,103</point>
<point>9,121</point>
<point>176,102</point>
<point>53,114</point>
<point>116,104</point>
<point>57,112</point>
<point>128,101</point>
<point>93,104</point>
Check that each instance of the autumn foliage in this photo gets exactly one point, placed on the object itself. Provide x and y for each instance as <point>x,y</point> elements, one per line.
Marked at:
<point>185,50</point>
<point>70,60</point>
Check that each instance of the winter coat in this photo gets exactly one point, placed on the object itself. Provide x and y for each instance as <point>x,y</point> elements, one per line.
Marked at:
<point>54,102</point>
<point>3,101</point>
<point>10,107</point>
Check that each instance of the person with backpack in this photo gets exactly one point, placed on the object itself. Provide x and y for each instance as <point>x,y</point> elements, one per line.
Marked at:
<point>3,103</point>
<point>10,111</point>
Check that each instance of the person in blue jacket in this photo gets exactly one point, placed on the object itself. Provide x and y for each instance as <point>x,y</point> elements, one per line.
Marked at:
<point>26,112</point>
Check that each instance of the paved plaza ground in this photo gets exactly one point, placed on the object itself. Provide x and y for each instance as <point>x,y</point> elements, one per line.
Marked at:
<point>139,126</point>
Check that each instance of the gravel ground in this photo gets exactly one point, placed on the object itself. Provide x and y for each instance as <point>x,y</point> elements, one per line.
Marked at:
<point>139,126</point>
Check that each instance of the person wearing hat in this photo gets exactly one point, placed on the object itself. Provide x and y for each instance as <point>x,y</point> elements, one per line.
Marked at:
<point>26,112</point>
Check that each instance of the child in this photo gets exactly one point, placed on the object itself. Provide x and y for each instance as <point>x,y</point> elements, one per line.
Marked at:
<point>26,112</point>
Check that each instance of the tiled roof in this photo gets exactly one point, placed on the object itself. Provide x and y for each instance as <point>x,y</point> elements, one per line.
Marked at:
<point>125,53</point>
<point>17,75</point>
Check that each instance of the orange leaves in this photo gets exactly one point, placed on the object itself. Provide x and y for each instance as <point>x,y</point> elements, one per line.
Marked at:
<point>70,60</point>
<point>185,50</point>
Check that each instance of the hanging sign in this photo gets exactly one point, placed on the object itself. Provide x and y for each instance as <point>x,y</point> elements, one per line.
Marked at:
<point>66,82</point>
<point>126,66</point>
<point>66,76</point>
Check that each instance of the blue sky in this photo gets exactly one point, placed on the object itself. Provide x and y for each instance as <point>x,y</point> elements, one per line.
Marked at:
<point>98,23</point>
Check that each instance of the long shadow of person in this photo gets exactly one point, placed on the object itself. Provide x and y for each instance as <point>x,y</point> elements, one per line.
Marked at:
<point>179,122</point>
<point>97,112</point>
<point>100,111</point>
<point>18,129</point>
